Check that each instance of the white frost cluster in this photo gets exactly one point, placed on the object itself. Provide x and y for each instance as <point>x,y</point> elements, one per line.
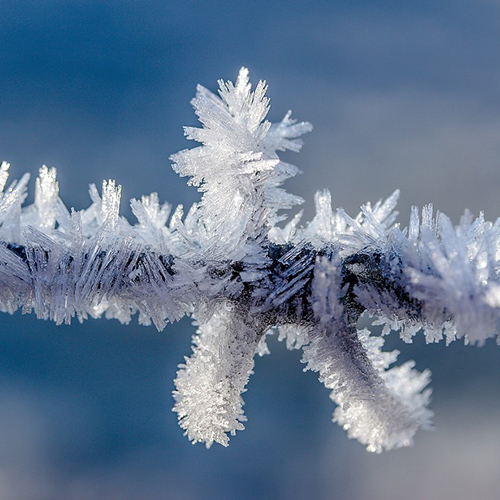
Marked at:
<point>237,167</point>
<point>378,406</point>
<point>228,265</point>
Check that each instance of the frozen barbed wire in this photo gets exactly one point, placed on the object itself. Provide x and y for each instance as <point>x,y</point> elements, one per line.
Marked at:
<point>238,275</point>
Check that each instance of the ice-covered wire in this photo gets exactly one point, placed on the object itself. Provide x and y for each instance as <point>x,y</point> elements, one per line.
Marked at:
<point>238,274</point>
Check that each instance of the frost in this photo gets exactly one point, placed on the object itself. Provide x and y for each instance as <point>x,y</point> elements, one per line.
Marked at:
<point>237,167</point>
<point>241,277</point>
<point>210,383</point>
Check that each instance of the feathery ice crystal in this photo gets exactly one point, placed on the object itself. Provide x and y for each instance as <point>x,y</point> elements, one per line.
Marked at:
<point>241,277</point>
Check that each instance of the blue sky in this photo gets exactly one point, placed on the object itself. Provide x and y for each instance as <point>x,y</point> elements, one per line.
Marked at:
<point>396,91</point>
<point>401,94</point>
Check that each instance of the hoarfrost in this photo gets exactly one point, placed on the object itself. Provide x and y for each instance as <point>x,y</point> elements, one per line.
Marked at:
<point>241,277</point>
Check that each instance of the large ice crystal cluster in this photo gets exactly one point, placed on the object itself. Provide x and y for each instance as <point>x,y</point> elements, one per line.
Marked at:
<point>241,277</point>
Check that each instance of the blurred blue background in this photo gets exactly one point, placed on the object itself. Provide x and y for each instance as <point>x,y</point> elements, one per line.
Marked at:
<point>401,94</point>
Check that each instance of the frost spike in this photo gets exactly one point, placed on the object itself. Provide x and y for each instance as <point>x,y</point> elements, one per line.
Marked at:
<point>111,194</point>
<point>46,196</point>
<point>4,174</point>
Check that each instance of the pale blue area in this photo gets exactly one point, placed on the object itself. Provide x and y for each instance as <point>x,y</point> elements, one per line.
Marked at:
<point>402,94</point>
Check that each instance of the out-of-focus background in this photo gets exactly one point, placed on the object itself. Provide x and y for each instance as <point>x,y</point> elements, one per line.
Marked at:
<point>401,94</point>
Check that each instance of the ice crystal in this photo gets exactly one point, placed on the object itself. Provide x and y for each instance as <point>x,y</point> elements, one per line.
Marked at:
<point>241,277</point>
